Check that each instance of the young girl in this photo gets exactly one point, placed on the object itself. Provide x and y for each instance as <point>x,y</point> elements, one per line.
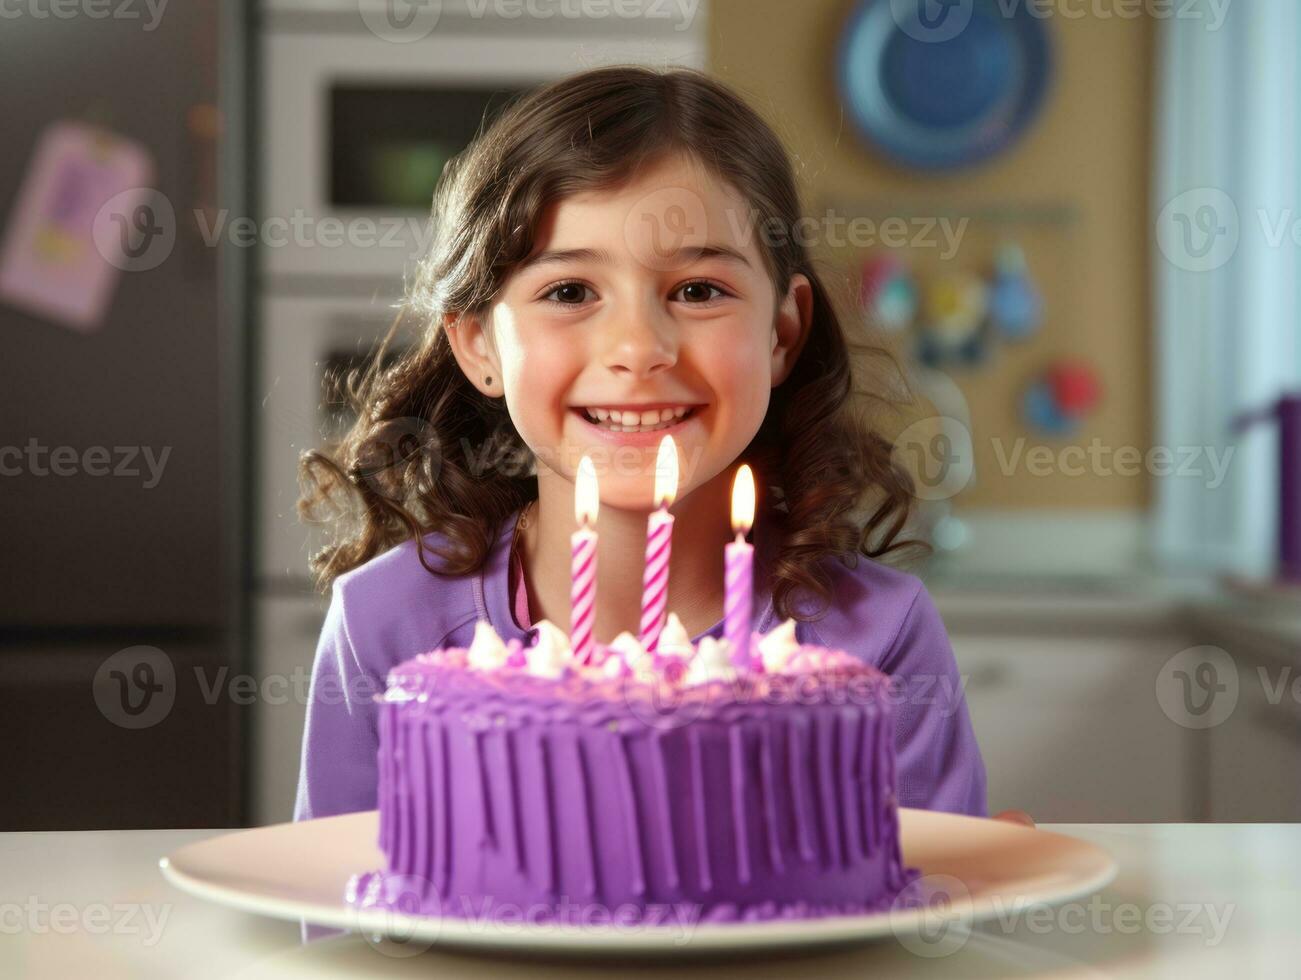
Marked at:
<point>618,257</point>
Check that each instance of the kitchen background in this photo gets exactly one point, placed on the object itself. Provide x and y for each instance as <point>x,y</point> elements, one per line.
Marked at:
<point>1076,223</point>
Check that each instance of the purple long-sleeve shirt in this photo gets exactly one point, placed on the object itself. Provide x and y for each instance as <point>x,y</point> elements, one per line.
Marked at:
<point>391,609</point>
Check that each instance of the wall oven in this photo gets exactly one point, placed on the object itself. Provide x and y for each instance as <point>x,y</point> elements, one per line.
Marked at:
<point>364,103</point>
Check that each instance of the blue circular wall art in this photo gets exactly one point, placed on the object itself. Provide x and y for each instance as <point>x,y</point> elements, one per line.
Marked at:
<point>943,84</point>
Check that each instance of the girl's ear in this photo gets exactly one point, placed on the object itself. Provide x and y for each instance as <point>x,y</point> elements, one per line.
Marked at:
<point>791,327</point>
<point>474,352</point>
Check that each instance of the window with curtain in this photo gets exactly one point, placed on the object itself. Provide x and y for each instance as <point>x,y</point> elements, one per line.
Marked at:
<point>1227,217</point>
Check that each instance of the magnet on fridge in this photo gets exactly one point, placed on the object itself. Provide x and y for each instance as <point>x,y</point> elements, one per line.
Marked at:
<point>1058,400</point>
<point>887,294</point>
<point>1015,305</point>
<point>81,217</point>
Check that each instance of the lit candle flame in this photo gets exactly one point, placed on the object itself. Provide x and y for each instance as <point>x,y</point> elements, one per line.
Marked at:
<point>587,498</point>
<point>743,499</point>
<point>666,472</point>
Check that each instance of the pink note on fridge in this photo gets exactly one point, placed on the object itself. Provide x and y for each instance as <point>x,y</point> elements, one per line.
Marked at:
<point>60,258</point>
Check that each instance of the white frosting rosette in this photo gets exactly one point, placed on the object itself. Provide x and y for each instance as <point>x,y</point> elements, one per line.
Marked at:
<point>630,659</point>
<point>487,651</point>
<point>712,662</point>
<point>550,655</point>
<point>778,649</point>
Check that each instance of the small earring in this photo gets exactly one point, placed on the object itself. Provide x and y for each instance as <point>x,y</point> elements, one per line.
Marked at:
<point>487,379</point>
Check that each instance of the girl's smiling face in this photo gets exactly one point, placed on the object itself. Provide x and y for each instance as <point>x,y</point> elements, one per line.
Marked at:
<point>652,299</point>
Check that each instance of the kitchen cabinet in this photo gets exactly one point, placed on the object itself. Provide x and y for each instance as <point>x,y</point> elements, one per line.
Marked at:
<point>287,628</point>
<point>1255,753</point>
<point>1070,727</point>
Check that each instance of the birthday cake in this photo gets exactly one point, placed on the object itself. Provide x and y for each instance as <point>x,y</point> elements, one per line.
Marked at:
<point>531,783</point>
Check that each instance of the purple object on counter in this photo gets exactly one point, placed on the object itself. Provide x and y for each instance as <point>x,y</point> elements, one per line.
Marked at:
<point>1287,411</point>
<point>392,608</point>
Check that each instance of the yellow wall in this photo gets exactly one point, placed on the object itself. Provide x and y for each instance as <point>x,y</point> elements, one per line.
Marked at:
<point>1087,155</point>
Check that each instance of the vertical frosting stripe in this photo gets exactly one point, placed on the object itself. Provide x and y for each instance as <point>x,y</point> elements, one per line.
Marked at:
<point>548,815</point>
<point>698,809</point>
<point>850,798</point>
<point>794,767</point>
<point>442,807</point>
<point>512,802</point>
<point>738,802</point>
<point>419,767</point>
<point>826,786</point>
<point>665,810</point>
<point>866,770</point>
<point>402,851</point>
<point>769,799</point>
<point>487,833</point>
<point>588,830</point>
<point>629,801</point>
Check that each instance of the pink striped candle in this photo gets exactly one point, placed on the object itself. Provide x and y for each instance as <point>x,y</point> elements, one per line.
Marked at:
<point>659,538</point>
<point>738,600</point>
<point>582,592</point>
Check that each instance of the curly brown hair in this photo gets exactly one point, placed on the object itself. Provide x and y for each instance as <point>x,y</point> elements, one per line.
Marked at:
<point>407,466</point>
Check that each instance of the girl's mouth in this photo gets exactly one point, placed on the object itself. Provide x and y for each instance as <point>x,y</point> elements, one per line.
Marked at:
<point>626,424</point>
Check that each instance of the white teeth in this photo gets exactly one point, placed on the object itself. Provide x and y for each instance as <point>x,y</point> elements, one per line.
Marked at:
<point>617,420</point>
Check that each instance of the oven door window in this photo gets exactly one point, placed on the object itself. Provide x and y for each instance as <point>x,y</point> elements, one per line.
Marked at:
<point>388,145</point>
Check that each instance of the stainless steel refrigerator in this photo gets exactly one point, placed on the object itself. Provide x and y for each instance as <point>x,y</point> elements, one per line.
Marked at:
<point>122,554</point>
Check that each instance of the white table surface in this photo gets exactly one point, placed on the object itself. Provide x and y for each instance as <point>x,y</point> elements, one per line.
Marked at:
<point>1190,900</point>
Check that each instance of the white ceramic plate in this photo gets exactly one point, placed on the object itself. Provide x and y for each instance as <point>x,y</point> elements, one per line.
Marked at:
<point>981,869</point>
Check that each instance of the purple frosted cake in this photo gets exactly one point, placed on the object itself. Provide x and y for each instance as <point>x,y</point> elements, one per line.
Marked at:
<point>517,781</point>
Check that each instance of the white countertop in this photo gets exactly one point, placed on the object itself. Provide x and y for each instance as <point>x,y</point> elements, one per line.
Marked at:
<point>1265,622</point>
<point>1190,900</point>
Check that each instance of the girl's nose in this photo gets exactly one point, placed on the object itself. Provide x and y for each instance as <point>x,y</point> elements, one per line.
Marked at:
<point>639,343</point>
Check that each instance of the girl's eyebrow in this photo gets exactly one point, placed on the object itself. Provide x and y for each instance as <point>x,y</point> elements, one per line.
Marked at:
<point>689,253</point>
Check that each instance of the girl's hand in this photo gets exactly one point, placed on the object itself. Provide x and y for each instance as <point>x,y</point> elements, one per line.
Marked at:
<point>1015,816</point>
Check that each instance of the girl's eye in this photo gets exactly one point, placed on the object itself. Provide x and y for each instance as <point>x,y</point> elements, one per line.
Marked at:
<point>572,293</point>
<point>698,292</point>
